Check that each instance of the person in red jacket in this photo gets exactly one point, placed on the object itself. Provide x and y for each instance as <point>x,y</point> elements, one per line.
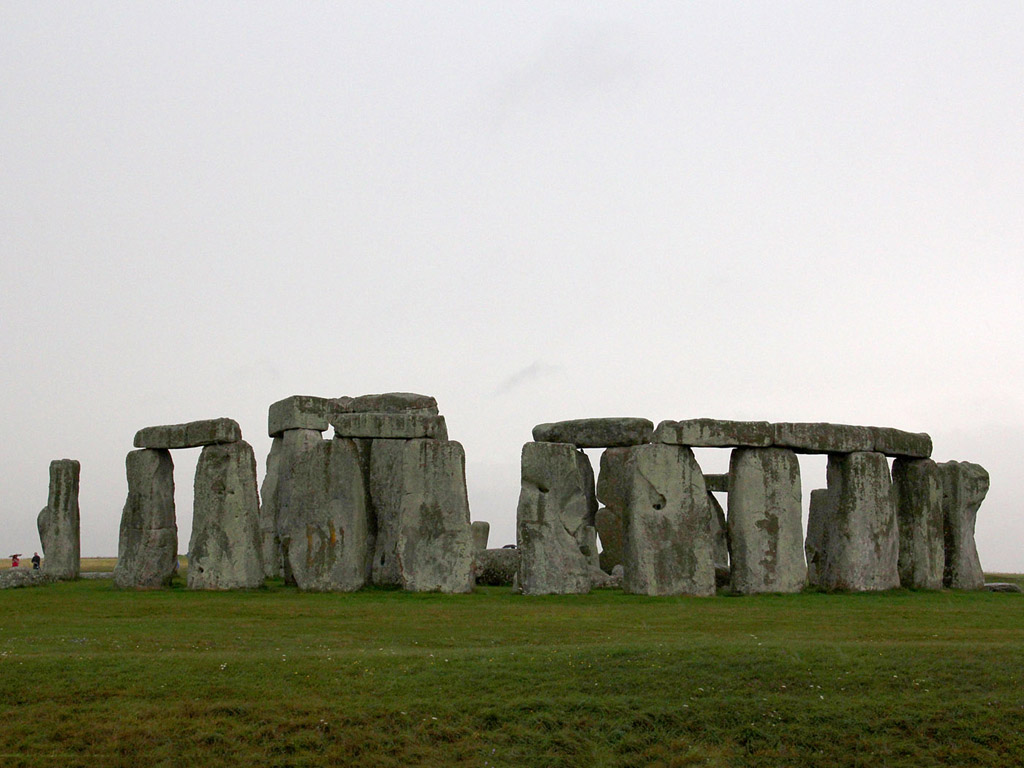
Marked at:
<point>15,562</point>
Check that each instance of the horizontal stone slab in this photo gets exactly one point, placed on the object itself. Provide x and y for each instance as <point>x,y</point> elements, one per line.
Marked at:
<point>1002,586</point>
<point>896,442</point>
<point>299,412</point>
<point>715,433</point>
<point>194,434</point>
<point>406,426</point>
<point>596,433</point>
<point>388,402</point>
<point>823,438</point>
<point>718,483</point>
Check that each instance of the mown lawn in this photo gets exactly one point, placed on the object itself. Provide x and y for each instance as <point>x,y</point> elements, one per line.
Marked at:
<point>93,676</point>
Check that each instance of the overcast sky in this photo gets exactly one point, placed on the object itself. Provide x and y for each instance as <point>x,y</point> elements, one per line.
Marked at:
<point>533,211</point>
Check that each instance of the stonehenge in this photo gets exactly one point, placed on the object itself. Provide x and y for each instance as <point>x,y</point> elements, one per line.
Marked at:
<point>147,548</point>
<point>58,522</point>
<point>964,487</point>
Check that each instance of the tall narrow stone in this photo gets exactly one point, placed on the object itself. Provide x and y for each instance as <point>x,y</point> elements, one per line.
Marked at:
<point>609,528</point>
<point>720,539</point>
<point>424,539</point>
<point>551,521</point>
<point>147,549</point>
<point>765,529</point>
<point>666,520</point>
<point>917,484</point>
<point>58,523</point>
<point>224,551</point>
<point>818,517</point>
<point>964,487</point>
<point>860,538</point>
<point>270,540</point>
<point>324,516</point>
<point>481,531</point>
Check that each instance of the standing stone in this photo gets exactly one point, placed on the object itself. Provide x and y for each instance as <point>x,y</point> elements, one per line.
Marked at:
<point>481,531</point>
<point>588,537</point>
<point>860,538</point>
<point>666,533</point>
<point>551,521</point>
<point>609,528</point>
<point>814,547</point>
<point>270,540</point>
<point>424,540</point>
<point>917,485</point>
<point>224,551</point>
<point>323,515</point>
<point>147,549</point>
<point>964,487</point>
<point>58,523</point>
<point>765,531</point>
<point>720,537</point>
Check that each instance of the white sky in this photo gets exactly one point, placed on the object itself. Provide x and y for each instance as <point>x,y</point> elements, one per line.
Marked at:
<point>533,211</point>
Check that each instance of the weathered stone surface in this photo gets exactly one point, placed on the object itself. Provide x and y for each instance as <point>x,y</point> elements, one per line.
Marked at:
<point>609,528</point>
<point>194,434</point>
<point>270,541</point>
<point>964,487</point>
<point>424,538</point>
<point>715,433</point>
<point>552,521</point>
<point>1002,586</point>
<point>481,530</point>
<point>596,433</point>
<point>765,530</point>
<point>389,426</point>
<point>324,515</point>
<point>717,483</point>
<point>224,550</point>
<point>497,567</point>
<point>58,523</point>
<point>814,546</point>
<point>586,471</point>
<point>917,486</point>
<point>15,578</point>
<point>659,491</point>
<point>147,549</point>
<point>389,402</point>
<point>823,438</point>
<point>860,541</point>
<point>299,412</point>
<point>720,537</point>
<point>600,579</point>
<point>896,442</point>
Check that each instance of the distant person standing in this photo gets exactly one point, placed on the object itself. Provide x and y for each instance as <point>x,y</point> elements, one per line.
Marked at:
<point>36,561</point>
<point>15,561</point>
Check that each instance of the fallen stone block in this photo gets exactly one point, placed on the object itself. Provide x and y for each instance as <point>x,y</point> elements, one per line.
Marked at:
<point>766,542</point>
<point>194,434</point>
<point>16,578</point>
<point>917,485</point>
<point>147,548</point>
<point>59,524</point>
<point>896,442</point>
<point>389,426</point>
<point>596,433</point>
<point>1002,586</point>
<point>964,487</point>
<point>715,433</point>
<point>823,438</point>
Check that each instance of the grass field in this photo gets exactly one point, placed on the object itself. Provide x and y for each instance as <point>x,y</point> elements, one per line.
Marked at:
<point>93,676</point>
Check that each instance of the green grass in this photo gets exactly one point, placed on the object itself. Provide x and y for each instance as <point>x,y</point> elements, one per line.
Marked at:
<point>93,676</point>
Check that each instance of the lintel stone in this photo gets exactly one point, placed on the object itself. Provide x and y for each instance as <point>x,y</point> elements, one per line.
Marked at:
<point>715,433</point>
<point>388,402</point>
<point>823,438</point>
<point>896,442</point>
<point>194,434</point>
<point>596,433</point>
<point>407,426</point>
<point>298,412</point>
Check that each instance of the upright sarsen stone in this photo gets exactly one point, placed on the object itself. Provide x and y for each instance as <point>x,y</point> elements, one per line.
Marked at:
<point>818,517</point>
<point>964,487</point>
<point>481,532</point>
<point>270,541</point>
<point>58,523</point>
<point>666,520</point>
<point>552,521</point>
<point>147,549</point>
<point>609,528</point>
<point>917,485</point>
<point>720,537</point>
<point>224,551</point>
<point>424,539</point>
<point>765,530</point>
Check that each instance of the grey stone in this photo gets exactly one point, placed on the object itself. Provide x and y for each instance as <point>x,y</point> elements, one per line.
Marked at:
<point>424,540</point>
<point>552,521</point>
<point>609,528</point>
<point>59,524</point>
<point>659,491</point>
<point>390,402</point>
<point>814,546</point>
<point>389,426</point>
<point>964,487</point>
<point>147,549</point>
<point>720,539</point>
<point>481,530</point>
<point>715,433</point>
<point>15,578</point>
<point>324,515</point>
<point>194,434</point>
<point>1002,586</point>
<point>823,438</point>
<point>497,567</point>
<point>917,485</point>
<point>765,530</point>
<point>224,550</point>
<point>589,533</point>
<point>600,579</point>
<point>717,483</point>
<point>299,412</point>
<point>896,442</point>
<point>860,540</point>
<point>270,541</point>
<point>596,433</point>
